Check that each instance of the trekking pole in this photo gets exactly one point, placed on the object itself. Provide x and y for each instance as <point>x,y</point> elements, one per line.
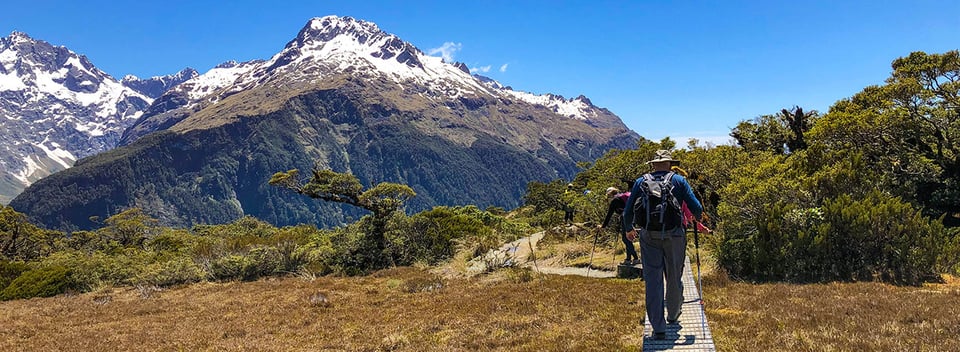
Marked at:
<point>696,244</point>
<point>590,264</point>
<point>534,255</point>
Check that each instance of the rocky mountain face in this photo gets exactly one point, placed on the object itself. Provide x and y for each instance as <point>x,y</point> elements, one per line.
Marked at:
<point>154,87</point>
<point>342,95</point>
<point>55,107</point>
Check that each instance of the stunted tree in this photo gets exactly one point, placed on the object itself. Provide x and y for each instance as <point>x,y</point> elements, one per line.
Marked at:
<point>798,122</point>
<point>781,133</point>
<point>130,227</point>
<point>383,200</point>
<point>328,185</point>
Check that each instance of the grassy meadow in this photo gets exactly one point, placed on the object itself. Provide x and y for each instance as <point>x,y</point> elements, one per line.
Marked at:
<point>430,309</point>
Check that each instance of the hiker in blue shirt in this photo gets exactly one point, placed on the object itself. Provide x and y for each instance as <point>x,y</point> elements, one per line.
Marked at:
<point>663,249</point>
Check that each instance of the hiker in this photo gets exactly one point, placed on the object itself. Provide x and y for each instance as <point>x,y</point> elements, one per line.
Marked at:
<point>617,202</point>
<point>687,215</point>
<point>655,218</point>
<point>568,197</point>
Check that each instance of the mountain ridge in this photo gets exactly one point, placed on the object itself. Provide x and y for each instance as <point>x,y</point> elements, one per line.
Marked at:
<point>341,95</point>
<point>55,107</point>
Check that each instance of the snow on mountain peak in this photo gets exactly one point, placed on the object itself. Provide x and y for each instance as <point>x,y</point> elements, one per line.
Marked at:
<point>345,39</point>
<point>19,37</point>
<point>227,64</point>
<point>327,27</point>
<point>334,45</point>
<point>56,107</point>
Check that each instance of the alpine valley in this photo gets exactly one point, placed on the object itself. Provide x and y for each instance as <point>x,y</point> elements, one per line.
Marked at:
<point>342,95</point>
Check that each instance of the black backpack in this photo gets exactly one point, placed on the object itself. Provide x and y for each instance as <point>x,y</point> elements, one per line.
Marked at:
<point>655,207</point>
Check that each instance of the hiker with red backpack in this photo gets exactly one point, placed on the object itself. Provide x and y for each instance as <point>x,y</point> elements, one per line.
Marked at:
<point>618,202</point>
<point>653,214</point>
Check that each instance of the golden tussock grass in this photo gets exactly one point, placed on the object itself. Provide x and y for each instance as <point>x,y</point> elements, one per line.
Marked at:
<point>402,309</point>
<point>410,309</point>
<point>833,317</point>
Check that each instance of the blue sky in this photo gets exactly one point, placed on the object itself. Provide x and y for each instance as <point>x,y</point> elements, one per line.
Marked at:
<point>680,69</point>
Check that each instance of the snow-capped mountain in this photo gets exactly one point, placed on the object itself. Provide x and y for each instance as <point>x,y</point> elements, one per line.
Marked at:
<point>334,46</point>
<point>343,95</point>
<point>155,86</point>
<point>55,107</point>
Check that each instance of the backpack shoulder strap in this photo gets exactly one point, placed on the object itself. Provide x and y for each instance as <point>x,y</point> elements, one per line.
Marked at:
<point>669,176</point>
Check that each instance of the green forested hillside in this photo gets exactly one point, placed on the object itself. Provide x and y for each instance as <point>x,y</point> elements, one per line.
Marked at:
<point>218,174</point>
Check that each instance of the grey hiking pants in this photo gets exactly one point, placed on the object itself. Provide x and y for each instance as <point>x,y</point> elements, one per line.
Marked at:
<point>662,255</point>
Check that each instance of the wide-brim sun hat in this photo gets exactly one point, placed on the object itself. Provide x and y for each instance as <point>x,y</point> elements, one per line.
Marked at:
<point>612,190</point>
<point>663,155</point>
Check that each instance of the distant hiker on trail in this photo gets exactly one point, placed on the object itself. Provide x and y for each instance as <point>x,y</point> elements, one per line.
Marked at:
<point>617,202</point>
<point>654,210</point>
<point>568,197</point>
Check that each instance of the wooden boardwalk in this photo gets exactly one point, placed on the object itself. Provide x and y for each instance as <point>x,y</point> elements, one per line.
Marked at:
<point>693,333</point>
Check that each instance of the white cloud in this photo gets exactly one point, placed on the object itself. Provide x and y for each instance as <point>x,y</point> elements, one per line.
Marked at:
<point>447,51</point>
<point>504,67</point>
<point>482,69</point>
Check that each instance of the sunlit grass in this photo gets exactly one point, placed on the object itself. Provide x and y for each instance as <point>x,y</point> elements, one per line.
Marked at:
<point>416,309</point>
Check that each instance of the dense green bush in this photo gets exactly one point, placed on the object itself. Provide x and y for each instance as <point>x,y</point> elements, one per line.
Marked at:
<point>233,267</point>
<point>99,268</point>
<point>9,271</point>
<point>256,263</point>
<point>41,282</point>
<point>172,240</point>
<point>177,270</point>
<point>810,218</point>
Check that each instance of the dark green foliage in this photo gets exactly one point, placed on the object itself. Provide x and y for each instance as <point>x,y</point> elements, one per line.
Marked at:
<point>99,268</point>
<point>130,227</point>
<point>257,262</point>
<point>41,282</point>
<point>10,271</point>
<point>435,235</point>
<point>908,130</point>
<point>432,233</point>
<point>779,134</point>
<point>545,196</point>
<point>174,271</point>
<point>219,174</point>
<point>21,240</point>
<point>877,238</point>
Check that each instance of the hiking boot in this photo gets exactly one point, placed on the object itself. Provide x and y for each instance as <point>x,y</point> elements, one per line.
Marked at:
<point>675,320</point>
<point>658,336</point>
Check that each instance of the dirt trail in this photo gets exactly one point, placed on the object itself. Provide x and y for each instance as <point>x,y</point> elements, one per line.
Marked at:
<point>520,250</point>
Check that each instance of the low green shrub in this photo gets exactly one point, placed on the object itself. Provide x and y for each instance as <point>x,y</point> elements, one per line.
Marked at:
<point>41,282</point>
<point>878,238</point>
<point>179,270</point>
<point>173,240</point>
<point>10,270</point>
<point>99,268</point>
<point>232,267</point>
